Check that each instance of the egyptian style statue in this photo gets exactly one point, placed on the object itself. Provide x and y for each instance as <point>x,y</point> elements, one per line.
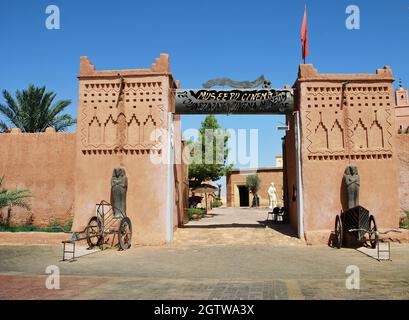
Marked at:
<point>352,183</point>
<point>119,186</point>
<point>272,195</point>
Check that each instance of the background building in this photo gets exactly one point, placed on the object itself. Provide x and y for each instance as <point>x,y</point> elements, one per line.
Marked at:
<point>238,195</point>
<point>402,109</point>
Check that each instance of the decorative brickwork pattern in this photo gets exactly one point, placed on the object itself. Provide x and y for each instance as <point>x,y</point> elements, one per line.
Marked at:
<point>142,115</point>
<point>348,122</point>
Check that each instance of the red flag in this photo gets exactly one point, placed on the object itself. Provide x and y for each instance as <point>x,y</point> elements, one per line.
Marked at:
<point>304,36</point>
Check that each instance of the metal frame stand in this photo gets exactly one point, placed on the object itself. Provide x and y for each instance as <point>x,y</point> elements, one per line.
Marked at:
<point>388,250</point>
<point>272,216</point>
<point>65,251</point>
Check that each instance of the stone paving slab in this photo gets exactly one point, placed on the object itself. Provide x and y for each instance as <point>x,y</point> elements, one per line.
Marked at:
<point>18,287</point>
<point>73,287</point>
<point>219,272</point>
<point>235,226</point>
<point>231,255</point>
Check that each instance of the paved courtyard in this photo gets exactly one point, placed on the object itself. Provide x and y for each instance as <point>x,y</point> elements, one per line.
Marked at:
<point>274,267</point>
<point>235,226</point>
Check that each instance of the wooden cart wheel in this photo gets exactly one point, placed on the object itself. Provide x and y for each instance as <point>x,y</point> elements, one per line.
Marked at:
<point>373,233</point>
<point>338,232</point>
<point>93,232</point>
<point>125,233</point>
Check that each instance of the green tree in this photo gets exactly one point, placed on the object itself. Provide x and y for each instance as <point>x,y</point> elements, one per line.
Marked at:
<point>14,198</point>
<point>253,183</point>
<point>32,110</point>
<point>209,153</point>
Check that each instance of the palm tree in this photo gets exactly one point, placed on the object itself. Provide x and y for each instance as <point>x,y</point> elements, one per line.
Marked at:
<point>32,111</point>
<point>13,198</point>
<point>253,184</point>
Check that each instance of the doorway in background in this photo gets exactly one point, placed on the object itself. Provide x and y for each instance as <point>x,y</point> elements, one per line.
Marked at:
<point>244,196</point>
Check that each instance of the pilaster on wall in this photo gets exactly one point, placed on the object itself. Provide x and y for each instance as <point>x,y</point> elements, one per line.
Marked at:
<point>347,119</point>
<point>120,117</point>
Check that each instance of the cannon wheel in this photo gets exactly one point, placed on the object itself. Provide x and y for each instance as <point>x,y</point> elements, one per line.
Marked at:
<point>373,233</point>
<point>125,233</point>
<point>93,232</point>
<point>338,232</point>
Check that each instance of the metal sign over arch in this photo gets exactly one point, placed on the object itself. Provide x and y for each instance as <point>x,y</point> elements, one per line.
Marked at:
<point>234,101</point>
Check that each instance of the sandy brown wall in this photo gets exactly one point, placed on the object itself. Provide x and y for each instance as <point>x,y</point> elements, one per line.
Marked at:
<point>229,192</point>
<point>181,178</point>
<point>124,122</point>
<point>290,182</point>
<point>44,163</point>
<point>325,198</point>
<point>348,120</point>
<point>146,194</point>
<point>402,147</point>
<point>184,189</point>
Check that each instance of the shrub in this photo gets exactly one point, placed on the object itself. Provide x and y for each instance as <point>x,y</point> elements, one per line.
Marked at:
<point>196,211</point>
<point>53,226</point>
<point>217,203</point>
<point>13,198</point>
<point>404,223</point>
<point>26,228</point>
<point>57,225</point>
<point>253,183</point>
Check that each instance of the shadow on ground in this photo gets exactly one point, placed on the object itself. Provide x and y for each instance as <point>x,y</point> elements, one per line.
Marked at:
<point>284,229</point>
<point>223,226</point>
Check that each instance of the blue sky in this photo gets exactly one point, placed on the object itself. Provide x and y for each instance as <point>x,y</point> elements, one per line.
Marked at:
<point>205,40</point>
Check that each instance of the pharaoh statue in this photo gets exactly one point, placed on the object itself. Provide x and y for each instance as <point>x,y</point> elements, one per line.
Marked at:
<point>352,183</point>
<point>272,195</point>
<point>119,185</point>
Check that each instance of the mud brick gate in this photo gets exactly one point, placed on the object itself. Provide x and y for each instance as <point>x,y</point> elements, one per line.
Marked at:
<point>129,117</point>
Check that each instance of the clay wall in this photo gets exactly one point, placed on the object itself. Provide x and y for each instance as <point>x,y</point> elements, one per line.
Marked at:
<point>347,120</point>
<point>43,163</point>
<point>290,178</point>
<point>402,147</point>
<point>123,120</point>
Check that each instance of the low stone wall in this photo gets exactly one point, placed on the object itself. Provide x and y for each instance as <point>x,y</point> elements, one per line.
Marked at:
<point>43,163</point>
<point>32,238</point>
